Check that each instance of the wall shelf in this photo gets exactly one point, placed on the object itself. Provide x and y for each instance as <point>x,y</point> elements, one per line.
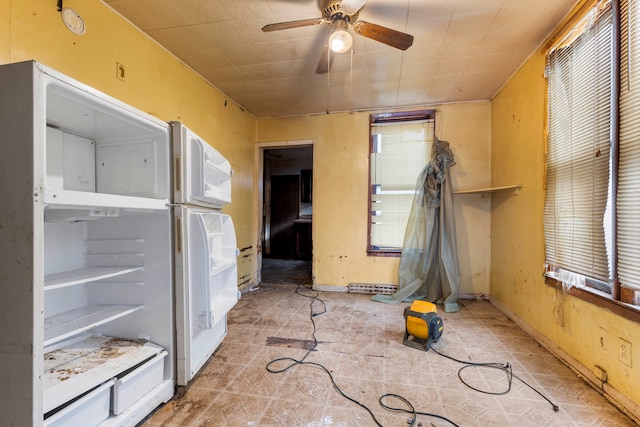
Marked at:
<point>515,188</point>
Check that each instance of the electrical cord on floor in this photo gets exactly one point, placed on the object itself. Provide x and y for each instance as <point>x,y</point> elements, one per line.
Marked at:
<point>505,367</point>
<point>294,362</point>
<point>411,410</point>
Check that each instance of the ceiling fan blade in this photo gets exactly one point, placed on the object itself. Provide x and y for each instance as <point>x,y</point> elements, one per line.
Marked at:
<point>292,24</point>
<point>326,59</point>
<point>352,6</point>
<point>384,35</point>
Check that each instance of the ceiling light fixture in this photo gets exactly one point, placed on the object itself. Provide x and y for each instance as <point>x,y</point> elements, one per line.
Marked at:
<point>340,40</point>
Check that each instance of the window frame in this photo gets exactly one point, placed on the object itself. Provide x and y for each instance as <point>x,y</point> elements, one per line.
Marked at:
<point>573,137</point>
<point>594,291</point>
<point>380,118</point>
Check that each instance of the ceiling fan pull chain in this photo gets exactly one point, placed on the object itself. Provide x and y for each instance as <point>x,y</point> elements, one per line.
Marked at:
<point>328,78</point>
<point>351,81</point>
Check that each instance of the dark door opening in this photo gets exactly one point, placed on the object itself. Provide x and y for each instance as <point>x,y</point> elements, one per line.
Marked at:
<point>287,215</point>
<point>285,191</point>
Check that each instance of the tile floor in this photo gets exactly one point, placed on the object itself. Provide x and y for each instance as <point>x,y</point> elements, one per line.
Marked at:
<point>360,343</point>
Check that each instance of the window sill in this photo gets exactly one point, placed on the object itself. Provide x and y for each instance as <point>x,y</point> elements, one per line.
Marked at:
<point>600,299</point>
<point>384,253</point>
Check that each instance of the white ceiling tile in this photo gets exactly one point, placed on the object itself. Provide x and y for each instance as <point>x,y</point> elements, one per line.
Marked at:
<point>420,10</point>
<point>150,14</point>
<point>287,10</point>
<point>514,19</point>
<point>469,26</point>
<point>241,10</point>
<point>241,54</point>
<point>471,6</point>
<point>462,50</point>
<point>222,33</point>
<point>202,11</point>
<point>428,32</point>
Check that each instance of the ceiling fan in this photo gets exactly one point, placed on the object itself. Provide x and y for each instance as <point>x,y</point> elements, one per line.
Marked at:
<point>341,14</point>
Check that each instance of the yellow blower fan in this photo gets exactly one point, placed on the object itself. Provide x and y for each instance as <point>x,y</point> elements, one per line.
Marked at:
<point>423,325</point>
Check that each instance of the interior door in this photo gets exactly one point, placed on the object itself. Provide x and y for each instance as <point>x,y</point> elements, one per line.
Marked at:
<point>285,194</point>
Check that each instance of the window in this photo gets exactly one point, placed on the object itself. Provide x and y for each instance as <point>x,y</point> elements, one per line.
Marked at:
<point>580,94</point>
<point>628,162</point>
<point>591,224</point>
<point>400,144</point>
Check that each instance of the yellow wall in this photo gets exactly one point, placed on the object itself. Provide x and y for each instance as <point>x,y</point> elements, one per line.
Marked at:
<point>497,143</point>
<point>155,82</point>
<point>518,117</point>
<point>341,168</point>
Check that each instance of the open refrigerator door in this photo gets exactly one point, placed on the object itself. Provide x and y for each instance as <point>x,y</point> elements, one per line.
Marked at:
<point>205,253</point>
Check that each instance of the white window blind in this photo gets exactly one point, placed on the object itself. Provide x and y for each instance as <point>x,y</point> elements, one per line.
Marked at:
<point>399,153</point>
<point>580,84</point>
<point>628,194</point>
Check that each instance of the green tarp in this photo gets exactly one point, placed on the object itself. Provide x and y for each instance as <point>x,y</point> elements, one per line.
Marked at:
<point>429,267</point>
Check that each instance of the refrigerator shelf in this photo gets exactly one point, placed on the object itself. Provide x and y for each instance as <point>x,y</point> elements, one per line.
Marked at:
<point>84,364</point>
<point>84,275</point>
<point>95,201</point>
<point>74,322</point>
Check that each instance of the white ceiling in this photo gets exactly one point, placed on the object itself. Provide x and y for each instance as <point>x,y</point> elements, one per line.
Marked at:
<point>463,50</point>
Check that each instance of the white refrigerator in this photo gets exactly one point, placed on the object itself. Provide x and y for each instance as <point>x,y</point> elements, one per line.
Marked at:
<point>106,306</point>
<point>205,252</point>
<point>86,317</point>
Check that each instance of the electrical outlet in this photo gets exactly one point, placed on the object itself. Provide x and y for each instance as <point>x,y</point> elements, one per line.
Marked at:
<point>624,351</point>
<point>603,338</point>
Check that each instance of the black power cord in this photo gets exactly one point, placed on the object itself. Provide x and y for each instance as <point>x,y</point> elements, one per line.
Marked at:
<point>295,362</point>
<point>505,367</point>
<point>411,410</point>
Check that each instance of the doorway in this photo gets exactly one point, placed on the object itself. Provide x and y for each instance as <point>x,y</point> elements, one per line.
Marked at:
<point>287,214</point>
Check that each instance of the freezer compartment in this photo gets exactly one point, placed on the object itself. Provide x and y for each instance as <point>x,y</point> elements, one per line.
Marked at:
<point>202,176</point>
<point>134,385</point>
<point>88,411</point>
<point>99,147</point>
<point>206,284</point>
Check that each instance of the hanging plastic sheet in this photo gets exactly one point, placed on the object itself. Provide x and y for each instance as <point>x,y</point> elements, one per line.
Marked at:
<point>429,268</point>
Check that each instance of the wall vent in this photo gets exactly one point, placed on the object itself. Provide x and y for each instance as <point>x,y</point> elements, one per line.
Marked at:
<point>372,288</point>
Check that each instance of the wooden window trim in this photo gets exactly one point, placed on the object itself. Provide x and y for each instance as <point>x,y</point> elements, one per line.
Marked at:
<point>400,116</point>
<point>620,308</point>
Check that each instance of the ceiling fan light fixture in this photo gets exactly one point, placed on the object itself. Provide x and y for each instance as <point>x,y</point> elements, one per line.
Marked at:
<point>340,41</point>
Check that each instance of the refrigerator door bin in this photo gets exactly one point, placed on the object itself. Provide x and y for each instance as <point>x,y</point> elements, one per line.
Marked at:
<point>88,411</point>
<point>137,383</point>
<point>202,176</point>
